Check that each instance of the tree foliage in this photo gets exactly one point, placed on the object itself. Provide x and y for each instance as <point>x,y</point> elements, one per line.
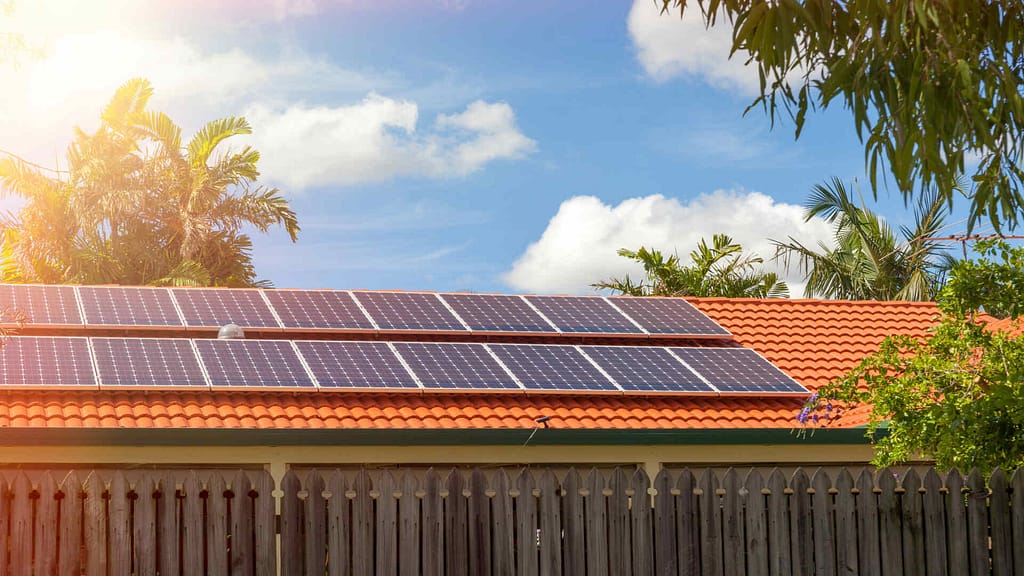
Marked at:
<point>140,206</point>
<point>957,395</point>
<point>930,84</point>
<point>870,261</point>
<point>721,269</point>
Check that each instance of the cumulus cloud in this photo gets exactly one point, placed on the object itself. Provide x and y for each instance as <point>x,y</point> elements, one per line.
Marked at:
<point>378,139</point>
<point>579,245</point>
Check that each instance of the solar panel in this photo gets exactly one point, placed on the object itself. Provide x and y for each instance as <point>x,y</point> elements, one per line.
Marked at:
<point>253,364</point>
<point>458,366</point>
<point>147,362</point>
<point>39,304</point>
<point>355,365</point>
<point>497,313</point>
<point>549,367</point>
<point>45,361</point>
<point>408,311</point>
<point>583,314</point>
<point>668,316</point>
<point>318,309</point>
<point>215,307</point>
<point>738,370</point>
<point>124,306</point>
<point>646,368</point>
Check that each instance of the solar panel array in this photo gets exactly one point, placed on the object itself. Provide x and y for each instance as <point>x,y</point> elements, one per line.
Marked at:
<point>281,364</point>
<point>358,311</point>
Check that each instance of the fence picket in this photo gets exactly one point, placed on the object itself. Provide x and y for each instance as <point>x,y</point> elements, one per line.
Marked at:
<point>801,521</point>
<point>734,557</point>
<point>526,525</point>
<point>756,543</point>
<point>95,526</point>
<point>409,526</point>
<point>822,509</point>
<point>144,554</point>
<point>597,524</point>
<point>291,525</point>
<point>168,560</point>
<point>999,524</point>
<point>479,524</point>
<point>977,523</point>
<point>934,538</point>
<point>869,554</point>
<point>640,512</point>
<point>687,527</point>
<point>69,560</point>
<point>889,523</point>
<point>956,522</point>
<point>779,550</point>
<point>455,525</point>
<point>846,525</point>
<point>503,517</point>
<point>265,524</point>
<point>192,524</point>
<point>386,526</point>
<point>362,524</point>
<point>1017,519</point>
<point>550,525</point>
<point>665,558</point>
<point>574,547</point>
<point>433,525</point>
<point>913,529</point>
<point>339,522</point>
<point>242,510</point>
<point>315,515</point>
<point>119,524</point>
<point>46,524</point>
<point>619,541</point>
<point>21,526</point>
<point>216,525</point>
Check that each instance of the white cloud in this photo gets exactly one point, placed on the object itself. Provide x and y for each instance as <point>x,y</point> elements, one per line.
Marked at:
<point>579,245</point>
<point>377,139</point>
<point>668,47</point>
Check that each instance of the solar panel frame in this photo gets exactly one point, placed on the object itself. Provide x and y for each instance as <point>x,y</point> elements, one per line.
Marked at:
<point>40,304</point>
<point>466,366</point>
<point>417,312</point>
<point>493,313</point>
<point>323,358</point>
<point>725,368</point>
<point>647,370</point>
<point>35,359</point>
<point>134,306</point>
<point>256,365</point>
<point>215,307</point>
<point>553,368</point>
<point>327,310</point>
<point>669,317</point>
<point>126,363</point>
<point>590,315</point>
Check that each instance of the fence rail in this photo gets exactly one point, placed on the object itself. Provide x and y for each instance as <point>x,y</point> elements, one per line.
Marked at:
<point>502,521</point>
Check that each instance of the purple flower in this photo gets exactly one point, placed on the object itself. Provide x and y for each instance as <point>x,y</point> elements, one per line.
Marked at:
<point>815,418</point>
<point>828,407</point>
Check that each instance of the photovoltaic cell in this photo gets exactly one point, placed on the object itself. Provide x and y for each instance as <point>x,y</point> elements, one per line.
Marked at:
<point>125,306</point>
<point>496,313</point>
<point>583,314</point>
<point>669,316</point>
<point>147,362</point>
<point>45,361</point>
<point>355,365</point>
<point>39,304</point>
<point>738,370</point>
<point>317,309</point>
<point>215,307</point>
<point>253,364</point>
<point>549,367</point>
<point>646,368</point>
<point>408,311</point>
<point>457,366</point>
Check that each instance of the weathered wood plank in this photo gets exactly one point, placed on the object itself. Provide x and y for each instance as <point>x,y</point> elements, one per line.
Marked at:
<point>956,524</point>
<point>891,536</point>
<point>597,524</point>
<point>409,526</point>
<point>688,523</point>
<point>756,519</point>
<point>846,524</point>
<point>666,561</point>
<point>526,525</point>
<point>479,524</point>
<point>242,510</point>
<point>362,524</point>
<point>386,526</point>
<point>977,523</point>
<point>168,558</point>
<point>869,554</point>
<point>734,556</point>
<point>619,541</point>
<point>779,550</point>
<point>503,516</point>
<point>823,511</point>
<point>21,526</point>
<point>574,554</point>
<point>1017,519</point>
<point>913,527</point>
<point>432,543</point>
<point>192,524</point>
<point>144,555</point>
<point>550,525</point>
<point>292,548</point>
<point>46,526</point>
<point>119,524</point>
<point>933,511</point>
<point>217,524</point>
<point>315,534</point>
<point>456,522</point>
<point>95,526</point>
<point>339,520</point>
<point>640,515</point>
<point>801,522</point>
<point>265,524</point>
<point>69,561</point>
<point>999,523</point>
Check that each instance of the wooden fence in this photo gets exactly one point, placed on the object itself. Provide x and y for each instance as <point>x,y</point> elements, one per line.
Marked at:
<point>530,522</point>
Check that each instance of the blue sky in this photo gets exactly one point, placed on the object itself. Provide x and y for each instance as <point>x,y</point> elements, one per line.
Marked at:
<point>484,146</point>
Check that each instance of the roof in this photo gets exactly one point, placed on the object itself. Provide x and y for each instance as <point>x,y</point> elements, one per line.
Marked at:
<point>813,341</point>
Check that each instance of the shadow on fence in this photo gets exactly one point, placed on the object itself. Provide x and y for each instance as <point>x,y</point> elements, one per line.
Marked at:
<point>503,521</point>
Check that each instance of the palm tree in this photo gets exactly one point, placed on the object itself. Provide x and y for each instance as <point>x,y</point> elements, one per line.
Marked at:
<point>870,261</point>
<point>138,207</point>
<point>717,270</point>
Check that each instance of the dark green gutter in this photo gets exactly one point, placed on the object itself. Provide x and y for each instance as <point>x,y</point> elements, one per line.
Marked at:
<point>416,437</point>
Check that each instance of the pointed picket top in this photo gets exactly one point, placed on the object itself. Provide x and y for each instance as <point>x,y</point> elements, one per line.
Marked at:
<point>997,479</point>
<point>501,481</point>
<point>573,478</point>
<point>955,482</point>
<point>595,483</point>
<point>976,482</point>
<point>731,481</point>
<point>911,482</point>
<point>886,481</point>
<point>1017,478</point>
<point>708,483</point>
<point>290,484</point>
<point>799,481</point>
<point>22,486</point>
<point>548,481</point>
<point>455,483</point>
<point>844,481</point>
<point>241,486</point>
<point>361,483</point>
<point>753,482</point>
<point>865,481</point>
<point>777,482</point>
<point>821,481</point>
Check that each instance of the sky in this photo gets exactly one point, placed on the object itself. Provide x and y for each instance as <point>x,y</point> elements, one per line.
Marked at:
<point>452,145</point>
